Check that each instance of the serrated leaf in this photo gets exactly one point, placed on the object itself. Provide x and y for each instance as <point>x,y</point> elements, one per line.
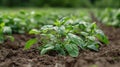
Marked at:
<point>72,49</point>
<point>29,43</point>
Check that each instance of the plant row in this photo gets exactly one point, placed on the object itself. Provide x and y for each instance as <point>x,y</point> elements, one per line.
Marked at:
<point>110,17</point>
<point>63,32</point>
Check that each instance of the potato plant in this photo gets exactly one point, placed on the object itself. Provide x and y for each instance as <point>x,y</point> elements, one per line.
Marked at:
<point>67,36</point>
<point>1,32</point>
<point>19,23</point>
<point>110,17</point>
<point>5,32</point>
<point>23,21</point>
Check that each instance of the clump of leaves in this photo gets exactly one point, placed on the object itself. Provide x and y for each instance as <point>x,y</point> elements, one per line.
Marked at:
<point>5,32</point>
<point>19,23</point>
<point>23,21</point>
<point>68,36</point>
<point>110,17</point>
<point>1,32</point>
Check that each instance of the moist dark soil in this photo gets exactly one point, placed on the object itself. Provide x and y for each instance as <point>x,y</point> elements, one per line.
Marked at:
<point>12,54</point>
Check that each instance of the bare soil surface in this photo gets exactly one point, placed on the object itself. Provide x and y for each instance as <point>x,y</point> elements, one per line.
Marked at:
<point>12,54</point>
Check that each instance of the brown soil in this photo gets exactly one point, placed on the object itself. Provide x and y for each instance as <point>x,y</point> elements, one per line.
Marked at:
<point>12,54</point>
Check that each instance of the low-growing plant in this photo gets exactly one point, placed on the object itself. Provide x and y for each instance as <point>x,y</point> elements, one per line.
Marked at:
<point>110,17</point>
<point>5,32</point>
<point>24,21</point>
<point>68,36</point>
<point>1,32</point>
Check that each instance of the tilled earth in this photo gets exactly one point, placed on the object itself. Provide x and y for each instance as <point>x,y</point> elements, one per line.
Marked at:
<point>12,54</point>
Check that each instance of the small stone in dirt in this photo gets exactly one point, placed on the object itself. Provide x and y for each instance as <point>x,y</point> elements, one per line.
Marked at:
<point>59,65</point>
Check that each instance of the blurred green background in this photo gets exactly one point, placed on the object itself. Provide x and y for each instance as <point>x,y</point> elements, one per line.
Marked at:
<point>60,3</point>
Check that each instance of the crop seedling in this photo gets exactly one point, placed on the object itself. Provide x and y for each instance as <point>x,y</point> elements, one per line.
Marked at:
<point>68,36</point>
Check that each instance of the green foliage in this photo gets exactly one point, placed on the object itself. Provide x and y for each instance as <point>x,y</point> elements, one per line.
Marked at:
<point>61,31</point>
<point>72,49</point>
<point>66,36</point>
<point>23,21</point>
<point>46,48</point>
<point>1,32</point>
<point>30,43</point>
<point>110,17</point>
<point>5,30</point>
<point>100,35</point>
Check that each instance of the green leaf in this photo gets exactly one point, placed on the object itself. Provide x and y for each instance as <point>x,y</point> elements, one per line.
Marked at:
<point>47,27</point>
<point>69,28</point>
<point>100,35</point>
<point>34,31</point>
<point>64,20</point>
<point>93,26</point>
<point>93,45</point>
<point>46,48</point>
<point>82,25</point>
<point>84,33</point>
<point>57,23</point>
<point>53,38</point>
<point>72,49</point>
<point>29,43</point>
<point>2,25</point>
<point>60,30</point>
<point>7,29</point>
<point>77,40</point>
<point>60,49</point>
<point>92,38</point>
